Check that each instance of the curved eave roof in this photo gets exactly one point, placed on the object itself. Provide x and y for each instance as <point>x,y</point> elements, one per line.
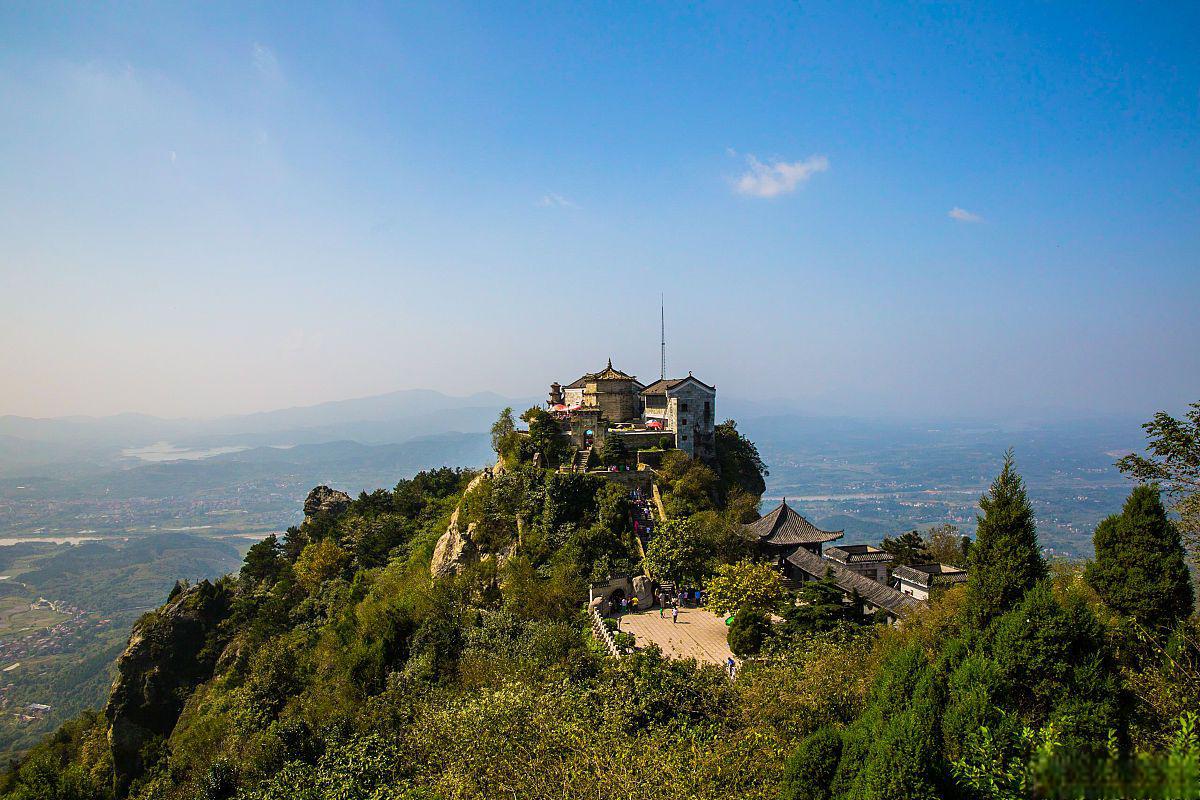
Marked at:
<point>784,526</point>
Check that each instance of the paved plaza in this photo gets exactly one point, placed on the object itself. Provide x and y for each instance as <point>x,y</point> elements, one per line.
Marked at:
<point>699,634</point>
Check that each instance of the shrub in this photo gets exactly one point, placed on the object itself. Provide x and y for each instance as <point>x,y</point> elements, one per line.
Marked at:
<point>808,773</point>
<point>748,632</point>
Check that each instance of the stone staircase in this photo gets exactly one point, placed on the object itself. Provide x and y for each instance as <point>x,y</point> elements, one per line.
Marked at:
<point>580,462</point>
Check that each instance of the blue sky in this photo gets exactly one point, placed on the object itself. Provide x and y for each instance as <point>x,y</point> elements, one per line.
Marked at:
<point>925,210</point>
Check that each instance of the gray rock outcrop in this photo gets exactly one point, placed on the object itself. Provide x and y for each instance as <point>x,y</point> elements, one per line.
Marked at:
<point>323,500</point>
<point>170,652</point>
<point>643,590</point>
<point>454,550</point>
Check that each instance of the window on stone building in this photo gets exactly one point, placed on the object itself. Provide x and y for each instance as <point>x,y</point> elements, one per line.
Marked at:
<point>683,406</point>
<point>683,422</point>
<point>685,437</point>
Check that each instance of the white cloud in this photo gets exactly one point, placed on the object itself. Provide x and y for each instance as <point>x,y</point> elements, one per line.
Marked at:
<point>962,215</point>
<point>552,200</point>
<point>777,177</point>
<point>266,63</point>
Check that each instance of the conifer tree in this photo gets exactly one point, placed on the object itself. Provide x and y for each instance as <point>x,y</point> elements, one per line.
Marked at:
<point>1139,569</point>
<point>1005,560</point>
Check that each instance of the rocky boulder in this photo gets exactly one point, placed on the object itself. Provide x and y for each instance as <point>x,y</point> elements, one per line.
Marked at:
<point>643,589</point>
<point>323,500</point>
<point>454,550</point>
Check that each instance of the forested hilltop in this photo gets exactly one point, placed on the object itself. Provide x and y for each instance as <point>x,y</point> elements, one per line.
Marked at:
<point>431,641</point>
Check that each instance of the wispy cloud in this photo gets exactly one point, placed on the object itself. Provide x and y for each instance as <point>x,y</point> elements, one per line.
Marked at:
<point>266,63</point>
<point>962,215</point>
<point>777,177</point>
<point>552,200</point>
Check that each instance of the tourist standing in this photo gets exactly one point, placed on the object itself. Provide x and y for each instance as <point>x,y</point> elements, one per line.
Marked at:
<point>674,615</point>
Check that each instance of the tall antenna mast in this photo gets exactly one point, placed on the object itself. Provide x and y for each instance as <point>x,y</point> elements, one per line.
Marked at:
<point>662,314</point>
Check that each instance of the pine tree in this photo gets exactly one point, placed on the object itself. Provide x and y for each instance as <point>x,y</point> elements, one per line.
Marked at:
<point>906,549</point>
<point>1139,569</point>
<point>1005,560</point>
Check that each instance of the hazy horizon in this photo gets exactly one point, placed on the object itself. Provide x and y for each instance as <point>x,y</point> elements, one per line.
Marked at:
<point>935,212</point>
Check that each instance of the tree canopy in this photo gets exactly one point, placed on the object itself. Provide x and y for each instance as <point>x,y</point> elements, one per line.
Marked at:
<point>1139,569</point>
<point>1006,560</point>
<point>1174,463</point>
<point>739,465</point>
<point>906,549</point>
<point>744,584</point>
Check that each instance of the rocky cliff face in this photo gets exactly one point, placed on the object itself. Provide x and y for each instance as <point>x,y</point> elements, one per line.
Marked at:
<point>170,652</point>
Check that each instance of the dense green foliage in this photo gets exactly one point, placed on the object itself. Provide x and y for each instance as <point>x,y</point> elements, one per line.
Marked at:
<point>740,466</point>
<point>334,665</point>
<point>908,548</point>
<point>749,631</point>
<point>1005,559</point>
<point>1139,569</point>
<point>1174,462</point>
<point>745,584</point>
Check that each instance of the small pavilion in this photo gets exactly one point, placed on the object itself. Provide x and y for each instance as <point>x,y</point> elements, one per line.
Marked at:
<point>782,531</point>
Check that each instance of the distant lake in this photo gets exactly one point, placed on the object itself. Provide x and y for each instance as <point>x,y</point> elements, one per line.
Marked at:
<point>165,451</point>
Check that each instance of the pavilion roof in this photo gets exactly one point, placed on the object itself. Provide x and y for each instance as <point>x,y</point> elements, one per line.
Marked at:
<point>784,526</point>
<point>609,373</point>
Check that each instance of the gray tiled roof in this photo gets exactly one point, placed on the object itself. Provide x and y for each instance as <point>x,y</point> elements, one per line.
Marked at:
<point>858,554</point>
<point>784,526</point>
<point>877,594</point>
<point>931,575</point>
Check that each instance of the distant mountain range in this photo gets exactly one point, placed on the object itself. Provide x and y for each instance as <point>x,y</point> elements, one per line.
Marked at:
<point>79,445</point>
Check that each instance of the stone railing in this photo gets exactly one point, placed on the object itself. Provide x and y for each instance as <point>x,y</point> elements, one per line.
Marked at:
<point>603,633</point>
<point>658,503</point>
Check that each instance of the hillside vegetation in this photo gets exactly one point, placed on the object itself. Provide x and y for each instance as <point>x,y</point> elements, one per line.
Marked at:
<point>335,666</point>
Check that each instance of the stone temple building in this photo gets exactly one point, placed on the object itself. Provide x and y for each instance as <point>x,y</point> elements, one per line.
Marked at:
<point>613,403</point>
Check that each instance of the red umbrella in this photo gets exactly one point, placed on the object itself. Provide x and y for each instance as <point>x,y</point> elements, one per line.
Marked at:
<point>655,424</point>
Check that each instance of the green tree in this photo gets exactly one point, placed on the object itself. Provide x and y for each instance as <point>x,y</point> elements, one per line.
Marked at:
<point>319,562</point>
<point>1174,463</point>
<point>906,549</point>
<point>749,631</point>
<point>738,461</point>
<point>945,545</point>
<point>1139,569</point>
<point>546,436</point>
<point>746,584</point>
<point>678,551</point>
<point>263,561</point>
<point>1054,665</point>
<point>505,439</point>
<point>615,451</point>
<point>820,606</point>
<point>689,485</point>
<point>809,771</point>
<point>1005,559</point>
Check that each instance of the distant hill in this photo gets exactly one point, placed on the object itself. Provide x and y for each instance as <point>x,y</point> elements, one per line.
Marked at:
<point>74,446</point>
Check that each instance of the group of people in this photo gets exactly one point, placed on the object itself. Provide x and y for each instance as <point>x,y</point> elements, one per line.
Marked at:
<point>642,514</point>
